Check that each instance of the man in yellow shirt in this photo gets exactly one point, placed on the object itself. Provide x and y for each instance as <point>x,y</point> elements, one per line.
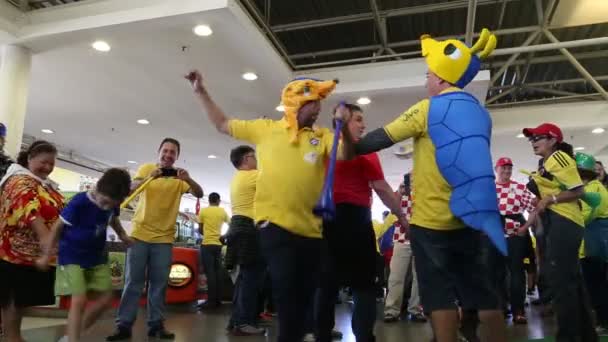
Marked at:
<point>210,222</point>
<point>243,240</point>
<point>154,233</point>
<point>291,155</point>
<point>594,250</point>
<point>455,191</point>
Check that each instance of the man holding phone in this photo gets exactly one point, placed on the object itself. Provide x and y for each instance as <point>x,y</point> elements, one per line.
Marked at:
<point>153,232</point>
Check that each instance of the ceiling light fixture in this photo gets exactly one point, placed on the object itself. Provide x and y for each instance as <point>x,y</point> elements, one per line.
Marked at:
<point>101,46</point>
<point>580,148</point>
<point>250,76</point>
<point>280,108</point>
<point>132,162</point>
<point>364,101</point>
<point>212,156</point>
<point>598,130</point>
<point>520,136</point>
<point>202,30</point>
<point>47,131</point>
<point>143,122</point>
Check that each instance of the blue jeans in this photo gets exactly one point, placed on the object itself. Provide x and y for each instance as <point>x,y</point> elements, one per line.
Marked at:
<point>155,258</point>
<point>294,263</point>
<point>246,292</point>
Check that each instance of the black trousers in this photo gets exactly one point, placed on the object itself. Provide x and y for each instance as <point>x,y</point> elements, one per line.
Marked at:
<point>570,299</point>
<point>594,270</point>
<point>496,264</point>
<point>518,250</point>
<point>545,293</point>
<point>294,263</point>
<point>348,258</point>
<point>212,264</point>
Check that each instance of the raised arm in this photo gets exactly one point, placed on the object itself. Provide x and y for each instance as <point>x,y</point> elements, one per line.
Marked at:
<point>214,112</point>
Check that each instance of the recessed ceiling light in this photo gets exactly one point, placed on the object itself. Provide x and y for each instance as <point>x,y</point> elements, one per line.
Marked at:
<point>202,30</point>
<point>47,131</point>
<point>100,45</point>
<point>598,130</point>
<point>132,162</point>
<point>249,76</point>
<point>143,122</point>
<point>580,148</point>
<point>280,108</point>
<point>520,136</point>
<point>212,156</point>
<point>364,101</point>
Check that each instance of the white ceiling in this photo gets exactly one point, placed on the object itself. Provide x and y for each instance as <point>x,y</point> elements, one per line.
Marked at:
<point>92,100</point>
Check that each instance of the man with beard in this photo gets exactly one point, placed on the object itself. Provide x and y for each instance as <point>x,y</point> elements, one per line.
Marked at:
<point>291,155</point>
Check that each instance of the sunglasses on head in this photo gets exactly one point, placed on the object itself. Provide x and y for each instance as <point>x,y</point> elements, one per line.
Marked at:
<point>536,138</point>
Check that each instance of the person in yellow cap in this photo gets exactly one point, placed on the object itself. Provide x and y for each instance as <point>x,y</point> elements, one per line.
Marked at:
<point>454,190</point>
<point>291,155</point>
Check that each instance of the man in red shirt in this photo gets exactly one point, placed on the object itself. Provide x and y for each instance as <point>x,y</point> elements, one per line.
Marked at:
<point>513,200</point>
<point>350,257</point>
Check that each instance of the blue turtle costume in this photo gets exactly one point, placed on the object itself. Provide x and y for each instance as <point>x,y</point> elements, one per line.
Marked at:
<point>460,128</point>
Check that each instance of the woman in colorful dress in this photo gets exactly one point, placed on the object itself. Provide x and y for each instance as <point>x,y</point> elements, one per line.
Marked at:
<point>29,204</point>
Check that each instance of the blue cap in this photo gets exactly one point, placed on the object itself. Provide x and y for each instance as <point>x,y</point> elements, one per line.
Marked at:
<point>2,130</point>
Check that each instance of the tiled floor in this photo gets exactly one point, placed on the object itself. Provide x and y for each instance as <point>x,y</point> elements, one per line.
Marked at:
<point>190,325</point>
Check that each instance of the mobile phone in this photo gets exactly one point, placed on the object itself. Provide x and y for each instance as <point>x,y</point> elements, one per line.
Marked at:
<point>168,172</point>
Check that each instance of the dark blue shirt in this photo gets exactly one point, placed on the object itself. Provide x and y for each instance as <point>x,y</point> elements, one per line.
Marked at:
<point>83,239</point>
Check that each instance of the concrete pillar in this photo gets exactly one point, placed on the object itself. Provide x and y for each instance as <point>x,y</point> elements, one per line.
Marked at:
<point>15,65</point>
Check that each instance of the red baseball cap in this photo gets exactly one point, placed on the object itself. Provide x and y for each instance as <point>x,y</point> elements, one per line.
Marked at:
<point>545,129</point>
<point>504,161</point>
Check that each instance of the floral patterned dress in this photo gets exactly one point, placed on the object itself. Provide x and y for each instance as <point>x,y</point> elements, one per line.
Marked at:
<point>23,199</point>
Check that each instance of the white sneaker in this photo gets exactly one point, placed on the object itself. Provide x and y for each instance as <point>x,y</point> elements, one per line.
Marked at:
<point>309,338</point>
<point>601,331</point>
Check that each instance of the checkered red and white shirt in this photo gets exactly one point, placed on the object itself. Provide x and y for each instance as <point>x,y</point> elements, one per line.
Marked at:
<point>406,205</point>
<point>513,198</point>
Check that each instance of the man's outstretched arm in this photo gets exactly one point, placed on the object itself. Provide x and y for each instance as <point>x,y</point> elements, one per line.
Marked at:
<point>410,124</point>
<point>373,141</point>
<point>214,112</point>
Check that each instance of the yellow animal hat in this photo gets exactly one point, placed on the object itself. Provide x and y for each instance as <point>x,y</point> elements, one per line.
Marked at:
<point>455,62</point>
<point>299,91</point>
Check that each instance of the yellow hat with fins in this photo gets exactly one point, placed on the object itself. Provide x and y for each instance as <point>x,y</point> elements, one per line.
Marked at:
<point>455,62</point>
<point>298,92</point>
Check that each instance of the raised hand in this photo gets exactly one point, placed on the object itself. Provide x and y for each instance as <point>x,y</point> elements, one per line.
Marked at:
<point>196,81</point>
<point>342,113</point>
